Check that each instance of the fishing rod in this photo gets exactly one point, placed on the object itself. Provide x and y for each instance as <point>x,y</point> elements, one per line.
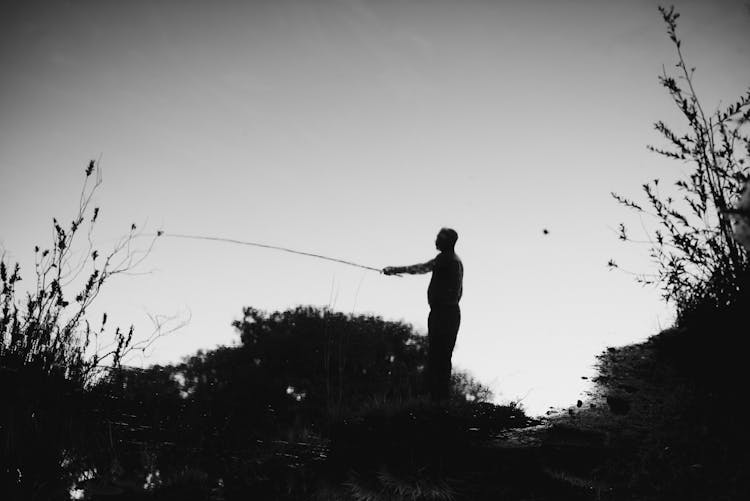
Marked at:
<point>266,246</point>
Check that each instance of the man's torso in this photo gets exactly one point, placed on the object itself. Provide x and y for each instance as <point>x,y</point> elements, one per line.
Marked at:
<point>446,284</point>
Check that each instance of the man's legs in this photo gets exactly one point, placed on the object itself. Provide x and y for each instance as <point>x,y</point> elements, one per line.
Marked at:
<point>442,325</point>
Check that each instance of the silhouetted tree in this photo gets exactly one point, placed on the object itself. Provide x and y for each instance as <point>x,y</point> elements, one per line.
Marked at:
<point>330,359</point>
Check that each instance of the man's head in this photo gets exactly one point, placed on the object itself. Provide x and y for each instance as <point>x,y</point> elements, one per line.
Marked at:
<point>446,239</point>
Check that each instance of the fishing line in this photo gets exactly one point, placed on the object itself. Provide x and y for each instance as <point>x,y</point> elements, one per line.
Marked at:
<point>267,246</point>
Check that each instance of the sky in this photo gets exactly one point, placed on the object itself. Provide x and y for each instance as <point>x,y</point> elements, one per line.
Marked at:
<point>357,129</point>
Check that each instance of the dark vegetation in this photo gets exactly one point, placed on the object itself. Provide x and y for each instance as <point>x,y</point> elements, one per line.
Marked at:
<point>51,353</point>
<point>257,418</point>
<point>670,408</point>
<point>315,404</point>
<point>685,435</point>
<point>700,265</point>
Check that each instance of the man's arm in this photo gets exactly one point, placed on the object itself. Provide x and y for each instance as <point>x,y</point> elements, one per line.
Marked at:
<point>415,269</point>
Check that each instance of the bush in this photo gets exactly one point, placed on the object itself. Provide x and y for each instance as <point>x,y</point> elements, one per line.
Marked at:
<point>47,354</point>
<point>48,328</point>
<point>699,262</point>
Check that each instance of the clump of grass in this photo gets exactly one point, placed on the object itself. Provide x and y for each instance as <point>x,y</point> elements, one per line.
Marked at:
<point>416,449</point>
<point>419,429</point>
<point>384,485</point>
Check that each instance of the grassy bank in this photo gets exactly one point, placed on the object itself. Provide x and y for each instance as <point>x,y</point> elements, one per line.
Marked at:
<point>668,414</point>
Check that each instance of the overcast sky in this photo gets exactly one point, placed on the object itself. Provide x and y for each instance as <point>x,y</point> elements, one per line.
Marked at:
<point>356,129</point>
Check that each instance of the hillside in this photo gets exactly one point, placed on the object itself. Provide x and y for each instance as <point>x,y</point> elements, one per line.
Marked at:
<point>665,420</point>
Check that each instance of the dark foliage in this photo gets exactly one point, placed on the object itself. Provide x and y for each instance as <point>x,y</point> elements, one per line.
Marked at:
<point>698,261</point>
<point>331,360</point>
<point>48,358</point>
<point>47,327</point>
<point>256,417</point>
<point>417,434</point>
<point>684,436</point>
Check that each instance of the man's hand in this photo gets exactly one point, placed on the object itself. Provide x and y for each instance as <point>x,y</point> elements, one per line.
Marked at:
<point>389,270</point>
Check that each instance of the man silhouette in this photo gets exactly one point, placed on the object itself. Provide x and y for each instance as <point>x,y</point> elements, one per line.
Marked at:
<point>443,295</point>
